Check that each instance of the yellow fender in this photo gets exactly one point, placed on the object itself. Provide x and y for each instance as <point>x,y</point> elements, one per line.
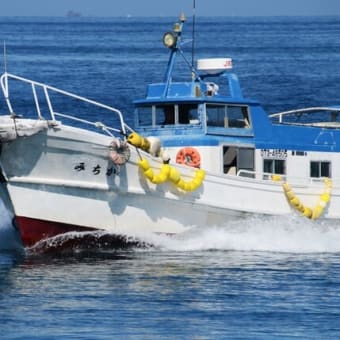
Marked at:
<point>307,212</point>
<point>138,141</point>
<point>174,176</point>
<point>170,173</point>
<point>159,178</point>
<point>312,213</point>
<point>144,164</point>
<point>192,185</point>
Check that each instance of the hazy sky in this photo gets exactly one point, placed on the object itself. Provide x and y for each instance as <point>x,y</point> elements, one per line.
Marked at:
<point>168,8</point>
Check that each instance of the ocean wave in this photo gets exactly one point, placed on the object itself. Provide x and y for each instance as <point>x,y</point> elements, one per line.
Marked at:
<point>254,234</point>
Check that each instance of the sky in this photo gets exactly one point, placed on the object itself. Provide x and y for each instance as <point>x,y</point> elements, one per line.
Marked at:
<point>169,8</point>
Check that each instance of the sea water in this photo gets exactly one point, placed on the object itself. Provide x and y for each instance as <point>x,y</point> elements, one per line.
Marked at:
<point>254,278</point>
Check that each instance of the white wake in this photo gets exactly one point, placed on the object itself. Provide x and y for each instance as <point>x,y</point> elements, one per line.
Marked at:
<point>274,234</point>
<point>271,234</point>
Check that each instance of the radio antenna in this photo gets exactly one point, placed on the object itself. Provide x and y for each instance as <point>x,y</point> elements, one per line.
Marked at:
<point>193,32</point>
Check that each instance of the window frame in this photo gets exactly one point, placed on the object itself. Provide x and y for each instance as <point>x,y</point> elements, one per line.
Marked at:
<point>273,168</point>
<point>320,170</point>
<point>158,109</point>
<point>225,121</point>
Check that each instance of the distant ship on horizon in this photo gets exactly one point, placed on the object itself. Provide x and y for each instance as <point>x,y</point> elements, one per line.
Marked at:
<point>73,14</point>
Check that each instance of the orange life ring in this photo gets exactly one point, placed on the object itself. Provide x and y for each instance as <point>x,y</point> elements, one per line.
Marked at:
<point>189,156</point>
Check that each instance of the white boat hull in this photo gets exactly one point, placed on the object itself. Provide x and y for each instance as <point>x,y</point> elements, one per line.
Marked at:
<point>62,179</point>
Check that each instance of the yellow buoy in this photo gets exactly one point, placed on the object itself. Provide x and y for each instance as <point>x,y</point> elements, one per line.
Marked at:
<point>170,173</point>
<point>144,164</point>
<point>313,213</point>
<point>138,141</point>
<point>174,175</point>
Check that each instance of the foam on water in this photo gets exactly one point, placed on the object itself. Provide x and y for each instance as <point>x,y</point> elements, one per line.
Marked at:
<point>274,234</point>
<point>271,234</point>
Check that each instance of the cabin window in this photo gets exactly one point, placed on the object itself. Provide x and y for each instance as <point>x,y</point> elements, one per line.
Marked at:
<point>168,114</point>
<point>238,117</point>
<point>320,169</point>
<point>165,115</point>
<point>230,160</point>
<point>177,114</point>
<point>188,114</point>
<point>145,116</point>
<point>217,115</point>
<point>227,116</point>
<point>238,158</point>
<point>274,166</point>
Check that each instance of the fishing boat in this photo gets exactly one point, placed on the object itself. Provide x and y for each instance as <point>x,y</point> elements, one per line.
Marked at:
<point>198,154</point>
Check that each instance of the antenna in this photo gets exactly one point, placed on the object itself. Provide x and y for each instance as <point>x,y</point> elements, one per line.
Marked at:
<point>193,32</point>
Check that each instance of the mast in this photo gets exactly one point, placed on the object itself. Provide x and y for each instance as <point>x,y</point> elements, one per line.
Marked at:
<point>193,33</point>
<point>172,40</point>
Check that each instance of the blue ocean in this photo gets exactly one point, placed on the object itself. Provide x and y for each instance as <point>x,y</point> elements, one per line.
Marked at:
<point>250,279</point>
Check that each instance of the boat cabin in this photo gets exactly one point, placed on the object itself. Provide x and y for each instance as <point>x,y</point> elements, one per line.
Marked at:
<point>200,115</point>
<point>231,134</point>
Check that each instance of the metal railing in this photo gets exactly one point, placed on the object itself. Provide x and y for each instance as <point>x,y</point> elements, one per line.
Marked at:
<point>308,110</point>
<point>279,178</point>
<point>53,114</point>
